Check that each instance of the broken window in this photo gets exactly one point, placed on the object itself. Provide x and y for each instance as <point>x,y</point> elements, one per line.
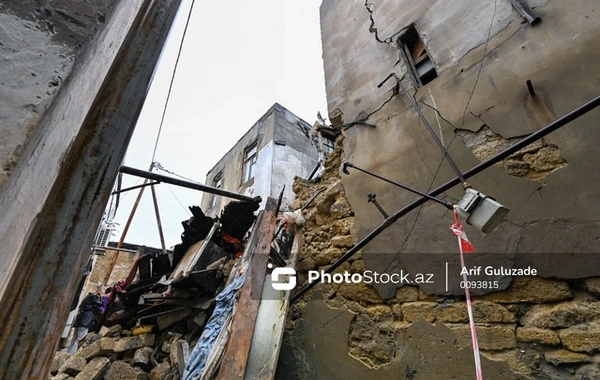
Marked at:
<point>250,154</point>
<point>420,65</point>
<point>217,183</point>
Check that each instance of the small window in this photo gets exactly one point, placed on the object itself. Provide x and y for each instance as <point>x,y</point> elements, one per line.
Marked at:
<point>217,182</point>
<point>420,64</point>
<point>250,154</point>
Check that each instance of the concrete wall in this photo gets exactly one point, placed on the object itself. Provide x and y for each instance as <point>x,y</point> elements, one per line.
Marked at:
<point>40,42</point>
<point>284,151</point>
<point>484,52</point>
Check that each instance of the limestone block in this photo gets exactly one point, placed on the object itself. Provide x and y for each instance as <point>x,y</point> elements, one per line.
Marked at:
<point>142,357</point>
<point>113,331</point>
<point>531,289</point>
<point>592,285</point>
<point>415,311</point>
<point>161,371</point>
<point>397,310</point>
<point>563,315</point>
<point>360,292</point>
<point>119,370</point>
<point>407,294</point>
<point>581,338</point>
<point>73,365</point>
<point>59,358</point>
<point>358,266</point>
<point>536,335</point>
<point>341,209</point>
<point>345,241</point>
<point>94,370</point>
<point>489,312</point>
<point>108,345</point>
<point>491,338</point>
<point>559,357</point>
<point>432,312</point>
<point>327,256</point>
<point>343,226</point>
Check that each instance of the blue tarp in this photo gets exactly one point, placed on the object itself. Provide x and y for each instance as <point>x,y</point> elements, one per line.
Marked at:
<point>216,323</point>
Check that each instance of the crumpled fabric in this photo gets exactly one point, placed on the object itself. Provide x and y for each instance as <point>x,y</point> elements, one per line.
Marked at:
<point>224,307</point>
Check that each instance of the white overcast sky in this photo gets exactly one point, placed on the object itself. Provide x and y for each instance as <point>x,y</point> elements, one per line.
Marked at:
<point>238,58</point>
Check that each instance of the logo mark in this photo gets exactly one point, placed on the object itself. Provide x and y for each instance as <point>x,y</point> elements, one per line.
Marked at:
<point>283,278</point>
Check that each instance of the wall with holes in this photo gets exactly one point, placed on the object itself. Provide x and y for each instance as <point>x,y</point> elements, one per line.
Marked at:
<point>478,103</point>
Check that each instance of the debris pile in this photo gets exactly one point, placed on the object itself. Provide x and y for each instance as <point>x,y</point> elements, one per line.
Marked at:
<point>164,309</point>
<point>115,353</point>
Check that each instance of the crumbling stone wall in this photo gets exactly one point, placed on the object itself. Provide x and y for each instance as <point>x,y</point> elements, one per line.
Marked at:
<point>537,328</point>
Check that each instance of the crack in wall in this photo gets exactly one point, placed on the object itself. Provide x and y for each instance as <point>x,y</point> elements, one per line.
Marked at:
<point>533,162</point>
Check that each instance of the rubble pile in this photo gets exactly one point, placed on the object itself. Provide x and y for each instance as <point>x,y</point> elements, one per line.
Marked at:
<point>114,353</point>
<point>155,315</point>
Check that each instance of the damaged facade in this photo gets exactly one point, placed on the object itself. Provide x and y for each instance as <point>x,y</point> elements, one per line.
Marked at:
<point>265,160</point>
<point>485,77</point>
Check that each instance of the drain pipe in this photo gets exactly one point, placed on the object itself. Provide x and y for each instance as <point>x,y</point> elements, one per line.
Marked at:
<point>558,123</point>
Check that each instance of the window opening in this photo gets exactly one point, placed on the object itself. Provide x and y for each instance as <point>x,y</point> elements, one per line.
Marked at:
<point>416,56</point>
<point>217,183</point>
<point>250,155</point>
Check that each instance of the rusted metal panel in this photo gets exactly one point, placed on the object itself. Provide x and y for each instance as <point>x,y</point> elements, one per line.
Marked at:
<point>236,354</point>
<point>47,249</point>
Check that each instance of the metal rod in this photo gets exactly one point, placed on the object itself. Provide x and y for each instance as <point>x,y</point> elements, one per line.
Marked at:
<point>347,164</point>
<point>372,198</point>
<point>158,223</point>
<point>134,187</point>
<point>558,123</point>
<point>124,234</point>
<point>530,87</point>
<point>188,185</point>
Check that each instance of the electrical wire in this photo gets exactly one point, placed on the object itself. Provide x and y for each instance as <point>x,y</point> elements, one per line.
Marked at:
<point>162,119</point>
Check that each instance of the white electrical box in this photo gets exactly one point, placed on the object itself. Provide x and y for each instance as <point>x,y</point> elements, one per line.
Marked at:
<point>481,211</point>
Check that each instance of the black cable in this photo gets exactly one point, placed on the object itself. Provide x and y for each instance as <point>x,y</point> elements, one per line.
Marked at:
<point>162,119</point>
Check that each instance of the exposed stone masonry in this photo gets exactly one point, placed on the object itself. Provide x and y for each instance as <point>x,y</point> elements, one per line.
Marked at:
<point>534,162</point>
<point>542,328</point>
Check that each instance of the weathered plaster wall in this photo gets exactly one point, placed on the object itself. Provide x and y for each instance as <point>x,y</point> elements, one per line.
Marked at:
<point>39,43</point>
<point>533,327</point>
<point>284,151</point>
<point>478,105</point>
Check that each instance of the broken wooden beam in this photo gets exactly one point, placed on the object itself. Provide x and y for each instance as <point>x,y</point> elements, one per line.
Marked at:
<point>235,358</point>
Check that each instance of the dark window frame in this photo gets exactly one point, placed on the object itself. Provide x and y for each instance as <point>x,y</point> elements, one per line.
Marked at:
<point>420,65</point>
<point>249,161</point>
<point>217,182</point>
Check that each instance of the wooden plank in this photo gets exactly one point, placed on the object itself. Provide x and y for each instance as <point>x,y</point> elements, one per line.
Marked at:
<point>237,351</point>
